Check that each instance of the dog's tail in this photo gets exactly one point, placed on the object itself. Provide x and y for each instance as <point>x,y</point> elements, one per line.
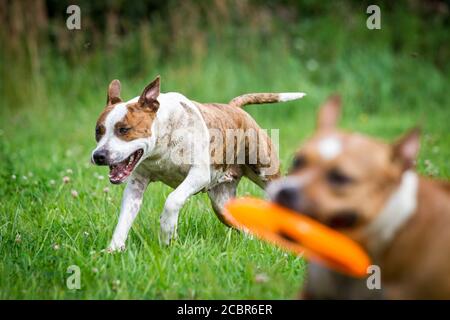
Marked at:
<point>258,98</point>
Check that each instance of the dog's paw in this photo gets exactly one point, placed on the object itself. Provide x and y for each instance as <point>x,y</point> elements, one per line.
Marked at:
<point>168,231</point>
<point>166,238</point>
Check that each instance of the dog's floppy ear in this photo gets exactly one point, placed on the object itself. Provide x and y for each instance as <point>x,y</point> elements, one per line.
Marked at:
<point>406,149</point>
<point>329,113</point>
<point>148,98</point>
<point>113,93</point>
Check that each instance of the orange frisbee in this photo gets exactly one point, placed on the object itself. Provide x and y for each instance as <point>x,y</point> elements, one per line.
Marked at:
<point>299,234</point>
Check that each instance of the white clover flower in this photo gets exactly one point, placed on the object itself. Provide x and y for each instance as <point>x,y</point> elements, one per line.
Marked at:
<point>261,278</point>
<point>115,284</point>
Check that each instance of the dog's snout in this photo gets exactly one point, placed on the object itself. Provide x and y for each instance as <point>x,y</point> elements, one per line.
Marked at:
<point>288,197</point>
<point>100,157</point>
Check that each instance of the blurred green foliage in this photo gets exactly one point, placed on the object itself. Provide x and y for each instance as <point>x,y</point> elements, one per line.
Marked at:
<point>119,39</point>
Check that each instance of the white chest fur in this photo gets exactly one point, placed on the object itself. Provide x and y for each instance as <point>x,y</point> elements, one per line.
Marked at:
<point>398,209</point>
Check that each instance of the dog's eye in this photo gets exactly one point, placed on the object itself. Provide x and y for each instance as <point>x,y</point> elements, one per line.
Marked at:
<point>337,178</point>
<point>99,131</point>
<point>123,130</point>
<point>298,163</point>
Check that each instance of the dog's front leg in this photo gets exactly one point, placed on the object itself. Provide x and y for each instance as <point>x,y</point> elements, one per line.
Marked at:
<point>196,180</point>
<point>131,203</point>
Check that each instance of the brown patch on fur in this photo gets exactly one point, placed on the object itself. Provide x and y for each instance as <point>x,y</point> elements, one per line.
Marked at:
<point>100,126</point>
<point>104,114</point>
<point>138,121</point>
<point>223,117</point>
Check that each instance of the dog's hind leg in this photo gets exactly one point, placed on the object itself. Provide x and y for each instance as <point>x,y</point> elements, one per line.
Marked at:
<point>260,176</point>
<point>267,166</point>
<point>195,181</point>
<point>219,195</point>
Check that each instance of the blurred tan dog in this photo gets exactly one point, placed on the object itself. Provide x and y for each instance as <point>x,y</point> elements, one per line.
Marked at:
<point>368,190</point>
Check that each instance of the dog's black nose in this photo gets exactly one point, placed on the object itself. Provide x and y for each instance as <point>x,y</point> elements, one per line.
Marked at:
<point>100,157</point>
<point>288,197</point>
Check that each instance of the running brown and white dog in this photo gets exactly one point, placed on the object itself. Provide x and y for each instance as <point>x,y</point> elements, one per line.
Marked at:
<point>368,190</point>
<point>187,145</point>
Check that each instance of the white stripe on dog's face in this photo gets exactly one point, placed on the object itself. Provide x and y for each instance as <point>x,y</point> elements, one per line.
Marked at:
<point>117,114</point>
<point>330,147</point>
<point>114,116</point>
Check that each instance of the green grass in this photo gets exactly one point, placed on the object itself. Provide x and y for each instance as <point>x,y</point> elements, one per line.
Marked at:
<point>48,128</point>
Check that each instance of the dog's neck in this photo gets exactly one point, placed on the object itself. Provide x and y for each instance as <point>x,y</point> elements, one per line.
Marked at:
<point>398,209</point>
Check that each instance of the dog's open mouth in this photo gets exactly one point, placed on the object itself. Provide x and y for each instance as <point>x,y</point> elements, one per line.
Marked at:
<point>122,170</point>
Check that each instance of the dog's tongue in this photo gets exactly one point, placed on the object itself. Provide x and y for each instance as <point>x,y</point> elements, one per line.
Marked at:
<point>119,172</point>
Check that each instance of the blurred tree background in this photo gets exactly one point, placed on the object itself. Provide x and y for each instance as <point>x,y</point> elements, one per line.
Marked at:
<point>132,40</point>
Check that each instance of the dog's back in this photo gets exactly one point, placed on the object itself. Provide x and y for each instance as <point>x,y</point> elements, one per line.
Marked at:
<point>253,149</point>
